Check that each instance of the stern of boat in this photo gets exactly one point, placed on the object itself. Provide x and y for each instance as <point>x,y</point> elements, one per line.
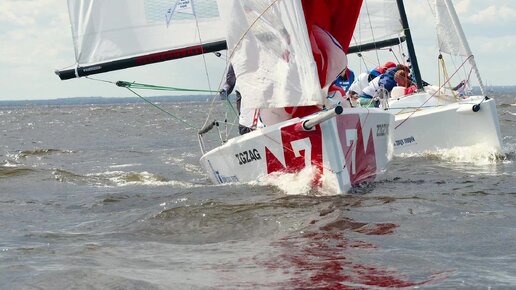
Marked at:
<point>472,121</point>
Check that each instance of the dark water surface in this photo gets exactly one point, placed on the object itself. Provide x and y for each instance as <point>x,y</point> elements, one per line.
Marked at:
<point>113,197</point>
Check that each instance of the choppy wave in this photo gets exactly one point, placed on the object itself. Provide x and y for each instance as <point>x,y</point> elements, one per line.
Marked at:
<point>180,161</point>
<point>121,178</point>
<point>69,177</point>
<point>117,178</point>
<point>83,279</point>
<point>12,170</point>
<point>39,152</point>
<point>9,163</point>
<point>506,105</point>
<point>193,221</point>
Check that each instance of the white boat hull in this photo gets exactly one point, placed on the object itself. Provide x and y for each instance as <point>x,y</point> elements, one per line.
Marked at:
<point>439,125</point>
<point>346,150</point>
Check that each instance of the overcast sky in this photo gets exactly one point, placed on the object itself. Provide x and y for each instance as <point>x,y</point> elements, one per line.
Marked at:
<point>35,39</point>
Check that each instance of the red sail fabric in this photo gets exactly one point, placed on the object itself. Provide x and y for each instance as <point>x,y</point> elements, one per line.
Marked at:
<point>336,17</point>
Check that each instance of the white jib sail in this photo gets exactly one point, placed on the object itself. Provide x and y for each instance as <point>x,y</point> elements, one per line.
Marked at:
<point>105,30</point>
<point>447,35</point>
<point>450,35</point>
<point>271,53</point>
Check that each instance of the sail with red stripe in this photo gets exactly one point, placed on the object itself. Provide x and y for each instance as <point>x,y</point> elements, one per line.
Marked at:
<point>119,34</point>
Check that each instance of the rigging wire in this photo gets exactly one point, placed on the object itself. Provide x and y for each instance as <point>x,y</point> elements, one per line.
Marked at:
<point>204,61</point>
<point>438,90</point>
<point>394,55</point>
<point>122,84</point>
<point>372,31</point>
<point>229,106</point>
<point>251,26</point>
<point>163,110</point>
<point>214,98</point>
<point>228,58</point>
<point>141,86</point>
<point>100,80</point>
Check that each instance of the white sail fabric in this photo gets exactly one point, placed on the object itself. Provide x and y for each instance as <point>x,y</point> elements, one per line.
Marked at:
<point>451,37</point>
<point>271,53</point>
<point>105,30</point>
<point>378,20</point>
<point>447,35</point>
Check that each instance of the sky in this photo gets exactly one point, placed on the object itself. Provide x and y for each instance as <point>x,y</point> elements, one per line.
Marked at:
<point>35,40</point>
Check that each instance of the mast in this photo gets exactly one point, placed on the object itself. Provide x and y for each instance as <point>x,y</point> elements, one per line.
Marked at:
<point>410,44</point>
<point>464,41</point>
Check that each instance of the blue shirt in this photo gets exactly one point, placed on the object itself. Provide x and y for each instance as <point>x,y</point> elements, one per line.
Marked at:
<point>387,81</point>
<point>345,82</point>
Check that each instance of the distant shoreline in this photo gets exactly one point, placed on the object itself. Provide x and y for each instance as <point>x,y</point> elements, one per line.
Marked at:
<point>183,98</point>
<point>105,100</point>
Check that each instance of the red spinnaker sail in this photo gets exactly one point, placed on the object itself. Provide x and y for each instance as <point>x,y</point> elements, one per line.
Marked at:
<point>337,18</point>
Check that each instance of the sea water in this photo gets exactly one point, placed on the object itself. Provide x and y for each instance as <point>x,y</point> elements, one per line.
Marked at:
<point>113,197</point>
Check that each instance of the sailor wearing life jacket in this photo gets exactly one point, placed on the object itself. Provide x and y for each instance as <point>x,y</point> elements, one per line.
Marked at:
<point>380,86</point>
<point>337,92</point>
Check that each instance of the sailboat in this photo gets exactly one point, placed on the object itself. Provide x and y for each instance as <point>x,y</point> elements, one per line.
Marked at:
<point>434,117</point>
<point>285,56</point>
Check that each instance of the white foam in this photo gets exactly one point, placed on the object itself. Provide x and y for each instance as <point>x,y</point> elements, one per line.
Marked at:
<point>480,155</point>
<point>299,183</point>
<point>7,163</point>
<point>175,160</point>
<point>188,167</point>
<point>121,178</point>
<point>124,165</point>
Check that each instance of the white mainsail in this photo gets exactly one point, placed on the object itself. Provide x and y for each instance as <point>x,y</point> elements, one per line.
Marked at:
<point>378,20</point>
<point>116,29</point>
<point>271,53</point>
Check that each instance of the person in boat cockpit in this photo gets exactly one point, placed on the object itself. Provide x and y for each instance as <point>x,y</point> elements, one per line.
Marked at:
<point>384,83</point>
<point>226,90</point>
<point>337,92</point>
<point>376,72</point>
<point>403,80</point>
<point>345,79</point>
